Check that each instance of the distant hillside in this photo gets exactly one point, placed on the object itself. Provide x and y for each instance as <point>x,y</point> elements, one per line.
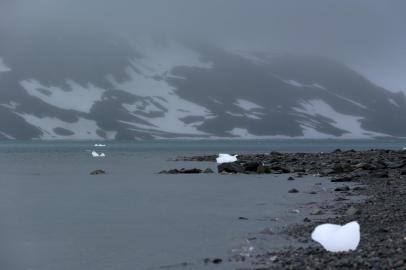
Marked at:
<point>100,87</point>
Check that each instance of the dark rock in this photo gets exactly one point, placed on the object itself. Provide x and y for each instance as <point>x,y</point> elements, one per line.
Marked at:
<point>231,167</point>
<point>344,178</point>
<point>358,188</point>
<point>208,170</point>
<point>280,169</point>
<point>290,178</point>
<point>217,261</point>
<point>338,150</point>
<point>242,218</point>
<point>182,171</point>
<point>316,212</point>
<point>251,166</point>
<point>343,188</point>
<point>263,169</point>
<point>381,174</point>
<point>293,190</point>
<point>267,231</point>
<point>97,172</point>
<point>306,219</point>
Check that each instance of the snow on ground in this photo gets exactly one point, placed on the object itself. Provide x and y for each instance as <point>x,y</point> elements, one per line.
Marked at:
<point>7,135</point>
<point>345,122</point>
<point>3,67</point>
<point>316,85</point>
<point>79,98</point>
<point>148,76</point>
<point>394,102</point>
<point>247,105</point>
<point>12,105</point>
<point>83,129</point>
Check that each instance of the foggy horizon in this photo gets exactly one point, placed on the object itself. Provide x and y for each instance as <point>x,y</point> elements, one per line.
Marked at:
<point>368,36</point>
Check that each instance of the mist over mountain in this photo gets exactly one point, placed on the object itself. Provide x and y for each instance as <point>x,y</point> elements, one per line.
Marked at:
<point>69,74</point>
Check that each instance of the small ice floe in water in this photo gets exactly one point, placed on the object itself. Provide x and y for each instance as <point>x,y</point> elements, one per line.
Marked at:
<point>226,158</point>
<point>95,154</point>
<point>337,238</point>
<point>99,145</point>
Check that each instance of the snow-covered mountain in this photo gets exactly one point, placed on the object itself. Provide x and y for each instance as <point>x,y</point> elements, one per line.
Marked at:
<point>98,87</point>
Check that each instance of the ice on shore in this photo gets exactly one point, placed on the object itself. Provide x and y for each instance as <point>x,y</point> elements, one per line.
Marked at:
<point>226,158</point>
<point>337,238</point>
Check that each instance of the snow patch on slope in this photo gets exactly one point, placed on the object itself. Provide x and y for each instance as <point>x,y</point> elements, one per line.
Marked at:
<point>12,105</point>
<point>3,67</point>
<point>247,105</point>
<point>83,129</point>
<point>79,98</point>
<point>316,85</point>
<point>394,102</point>
<point>341,121</point>
<point>148,80</point>
<point>7,136</point>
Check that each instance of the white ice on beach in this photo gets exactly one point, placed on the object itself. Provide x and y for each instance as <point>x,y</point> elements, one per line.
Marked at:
<point>95,154</point>
<point>99,145</point>
<point>337,238</point>
<point>226,158</point>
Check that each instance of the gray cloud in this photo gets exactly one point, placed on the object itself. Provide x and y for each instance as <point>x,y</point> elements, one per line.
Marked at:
<point>368,35</point>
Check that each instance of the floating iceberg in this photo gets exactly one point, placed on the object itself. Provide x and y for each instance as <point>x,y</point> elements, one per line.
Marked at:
<point>95,154</point>
<point>226,158</point>
<point>99,145</point>
<point>336,238</point>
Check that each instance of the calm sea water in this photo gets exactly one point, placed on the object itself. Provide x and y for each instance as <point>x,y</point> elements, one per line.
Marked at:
<point>54,215</point>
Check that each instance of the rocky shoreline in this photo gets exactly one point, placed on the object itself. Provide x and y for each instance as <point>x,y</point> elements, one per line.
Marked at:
<point>381,175</point>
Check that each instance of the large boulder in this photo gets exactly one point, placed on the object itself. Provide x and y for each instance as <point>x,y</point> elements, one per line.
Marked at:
<point>231,167</point>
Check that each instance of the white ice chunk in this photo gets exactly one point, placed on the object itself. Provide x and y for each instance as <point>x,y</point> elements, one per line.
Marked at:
<point>336,238</point>
<point>99,145</point>
<point>226,158</point>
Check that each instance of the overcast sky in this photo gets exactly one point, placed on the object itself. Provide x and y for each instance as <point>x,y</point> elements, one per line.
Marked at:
<point>368,35</point>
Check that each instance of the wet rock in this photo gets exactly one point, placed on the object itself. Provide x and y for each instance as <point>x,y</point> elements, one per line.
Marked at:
<point>306,219</point>
<point>251,166</point>
<point>263,169</point>
<point>338,150</point>
<point>242,218</point>
<point>290,178</point>
<point>352,211</point>
<point>182,171</point>
<point>280,169</point>
<point>267,231</point>
<point>231,167</point>
<point>317,212</point>
<point>293,190</point>
<point>217,261</point>
<point>344,178</point>
<point>97,172</point>
<point>358,188</point>
<point>208,170</point>
<point>343,188</point>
